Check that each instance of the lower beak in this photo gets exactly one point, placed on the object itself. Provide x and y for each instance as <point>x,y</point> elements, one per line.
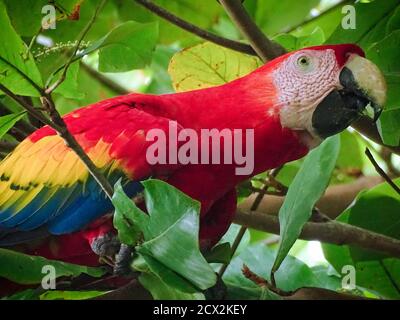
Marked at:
<point>362,91</point>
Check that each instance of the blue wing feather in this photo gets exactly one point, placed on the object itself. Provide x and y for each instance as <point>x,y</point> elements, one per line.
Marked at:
<point>68,210</point>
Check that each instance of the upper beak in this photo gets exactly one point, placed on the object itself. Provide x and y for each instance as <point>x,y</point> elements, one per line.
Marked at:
<point>362,89</point>
<point>363,78</point>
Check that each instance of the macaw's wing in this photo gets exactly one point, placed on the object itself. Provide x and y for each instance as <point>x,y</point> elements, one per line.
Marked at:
<point>44,184</point>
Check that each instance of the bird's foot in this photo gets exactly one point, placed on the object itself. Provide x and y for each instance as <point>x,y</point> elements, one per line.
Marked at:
<point>107,245</point>
<point>123,260</point>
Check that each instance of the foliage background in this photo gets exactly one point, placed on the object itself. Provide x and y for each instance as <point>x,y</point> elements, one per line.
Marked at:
<point>130,49</point>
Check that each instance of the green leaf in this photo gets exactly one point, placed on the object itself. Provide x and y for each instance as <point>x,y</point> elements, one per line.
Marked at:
<point>289,171</point>
<point>52,61</point>
<point>26,22</point>
<point>168,276</point>
<point>386,55</point>
<point>389,127</point>
<point>67,31</point>
<point>367,214</point>
<point>292,275</point>
<point>377,210</point>
<point>26,269</point>
<point>328,21</point>
<point>69,87</point>
<point>350,154</point>
<point>128,46</point>
<point>166,206</point>
<point>368,18</point>
<point>201,13</point>
<point>291,42</point>
<point>393,22</point>
<point>28,294</point>
<point>161,291</point>
<point>171,231</point>
<point>8,121</point>
<point>221,253</point>
<point>278,16</point>
<point>13,54</point>
<point>207,65</point>
<point>70,295</point>
<point>129,220</point>
<point>160,80</point>
<point>230,237</point>
<point>177,248</point>
<point>306,189</point>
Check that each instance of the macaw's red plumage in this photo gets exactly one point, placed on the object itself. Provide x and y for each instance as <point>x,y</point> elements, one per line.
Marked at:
<point>44,186</point>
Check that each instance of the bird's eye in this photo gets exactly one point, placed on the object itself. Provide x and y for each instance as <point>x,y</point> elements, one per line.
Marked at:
<point>303,61</point>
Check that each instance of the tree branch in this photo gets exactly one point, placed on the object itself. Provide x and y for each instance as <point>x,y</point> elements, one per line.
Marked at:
<point>265,48</point>
<point>335,200</point>
<point>185,25</point>
<point>330,232</point>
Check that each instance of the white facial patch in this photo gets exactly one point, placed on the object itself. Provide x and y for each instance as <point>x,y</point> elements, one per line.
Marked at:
<point>303,80</point>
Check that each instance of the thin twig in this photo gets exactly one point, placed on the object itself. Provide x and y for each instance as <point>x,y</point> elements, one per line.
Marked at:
<point>54,86</point>
<point>31,43</point>
<point>270,193</point>
<point>265,48</point>
<point>185,25</point>
<point>381,172</point>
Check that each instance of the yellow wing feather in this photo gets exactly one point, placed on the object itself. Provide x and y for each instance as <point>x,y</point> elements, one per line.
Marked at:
<point>44,163</point>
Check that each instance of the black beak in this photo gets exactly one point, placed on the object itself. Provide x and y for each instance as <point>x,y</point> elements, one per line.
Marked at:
<point>341,107</point>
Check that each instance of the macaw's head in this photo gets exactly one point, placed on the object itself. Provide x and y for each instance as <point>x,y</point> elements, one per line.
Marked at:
<point>321,90</point>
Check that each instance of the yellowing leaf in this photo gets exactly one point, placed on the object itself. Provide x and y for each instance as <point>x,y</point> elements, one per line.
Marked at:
<point>207,65</point>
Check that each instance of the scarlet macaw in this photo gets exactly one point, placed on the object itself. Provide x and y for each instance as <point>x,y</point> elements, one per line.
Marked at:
<point>292,103</point>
